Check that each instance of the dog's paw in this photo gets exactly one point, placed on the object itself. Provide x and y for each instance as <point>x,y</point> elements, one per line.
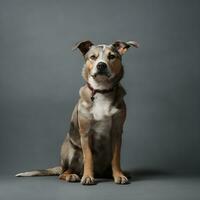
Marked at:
<point>72,178</point>
<point>88,180</point>
<point>121,179</point>
<point>69,177</point>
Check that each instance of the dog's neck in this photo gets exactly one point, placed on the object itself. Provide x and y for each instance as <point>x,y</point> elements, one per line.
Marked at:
<point>101,88</point>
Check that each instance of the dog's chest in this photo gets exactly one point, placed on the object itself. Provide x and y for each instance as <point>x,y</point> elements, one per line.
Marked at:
<point>101,143</point>
<point>102,129</point>
<point>102,107</point>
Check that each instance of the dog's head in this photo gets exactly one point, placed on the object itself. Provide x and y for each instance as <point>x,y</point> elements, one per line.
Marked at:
<point>103,63</point>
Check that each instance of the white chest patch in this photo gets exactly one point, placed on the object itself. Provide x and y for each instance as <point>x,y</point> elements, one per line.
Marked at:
<point>102,107</point>
<point>102,128</point>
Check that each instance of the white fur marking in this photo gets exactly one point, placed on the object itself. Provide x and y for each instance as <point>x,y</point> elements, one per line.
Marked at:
<point>100,86</point>
<point>102,45</point>
<point>102,128</point>
<point>32,173</point>
<point>102,107</point>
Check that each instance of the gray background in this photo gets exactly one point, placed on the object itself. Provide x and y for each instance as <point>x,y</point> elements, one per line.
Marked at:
<point>40,79</point>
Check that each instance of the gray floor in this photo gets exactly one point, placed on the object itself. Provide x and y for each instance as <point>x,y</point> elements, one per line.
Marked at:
<point>144,186</point>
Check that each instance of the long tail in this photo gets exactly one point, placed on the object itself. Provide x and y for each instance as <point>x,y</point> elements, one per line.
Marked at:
<point>44,172</point>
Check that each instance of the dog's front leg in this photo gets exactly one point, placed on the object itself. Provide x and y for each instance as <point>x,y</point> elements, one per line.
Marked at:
<point>88,174</point>
<point>118,175</point>
<point>117,130</point>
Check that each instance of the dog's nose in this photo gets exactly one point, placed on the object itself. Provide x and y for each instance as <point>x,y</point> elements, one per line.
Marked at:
<point>101,66</point>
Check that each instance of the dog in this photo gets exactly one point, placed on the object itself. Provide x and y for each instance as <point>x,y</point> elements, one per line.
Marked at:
<point>93,143</point>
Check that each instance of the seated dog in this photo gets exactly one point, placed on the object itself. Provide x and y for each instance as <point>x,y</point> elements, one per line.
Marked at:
<point>92,146</point>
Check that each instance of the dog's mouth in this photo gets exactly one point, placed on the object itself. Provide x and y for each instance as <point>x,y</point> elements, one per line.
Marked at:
<point>103,73</point>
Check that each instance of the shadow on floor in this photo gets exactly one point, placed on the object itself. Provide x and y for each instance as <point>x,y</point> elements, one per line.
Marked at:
<point>144,174</point>
<point>138,175</point>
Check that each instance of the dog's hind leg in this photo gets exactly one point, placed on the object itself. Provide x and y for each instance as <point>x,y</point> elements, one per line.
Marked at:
<point>69,176</point>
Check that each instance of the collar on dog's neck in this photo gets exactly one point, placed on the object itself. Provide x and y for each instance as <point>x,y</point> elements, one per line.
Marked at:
<point>94,91</point>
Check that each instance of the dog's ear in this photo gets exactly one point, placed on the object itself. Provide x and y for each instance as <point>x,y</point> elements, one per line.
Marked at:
<point>122,47</point>
<point>83,46</point>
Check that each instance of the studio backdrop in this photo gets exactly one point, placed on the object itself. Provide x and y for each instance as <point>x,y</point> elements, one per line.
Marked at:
<point>40,78</point>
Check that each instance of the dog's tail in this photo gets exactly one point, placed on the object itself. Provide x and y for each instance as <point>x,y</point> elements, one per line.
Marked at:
<point>44,172</point>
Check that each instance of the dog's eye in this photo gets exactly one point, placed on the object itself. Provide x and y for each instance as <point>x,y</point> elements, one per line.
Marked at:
<point>93,57</point>
<point>111,56</point>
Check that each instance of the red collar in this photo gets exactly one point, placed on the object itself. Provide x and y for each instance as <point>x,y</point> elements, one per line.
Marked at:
<point>94,91</point>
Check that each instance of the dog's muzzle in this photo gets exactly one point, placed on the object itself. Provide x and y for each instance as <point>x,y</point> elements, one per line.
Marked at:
<point>102,69</point>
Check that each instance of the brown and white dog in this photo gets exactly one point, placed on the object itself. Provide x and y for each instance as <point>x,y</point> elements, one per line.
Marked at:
<point>92,146</point>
